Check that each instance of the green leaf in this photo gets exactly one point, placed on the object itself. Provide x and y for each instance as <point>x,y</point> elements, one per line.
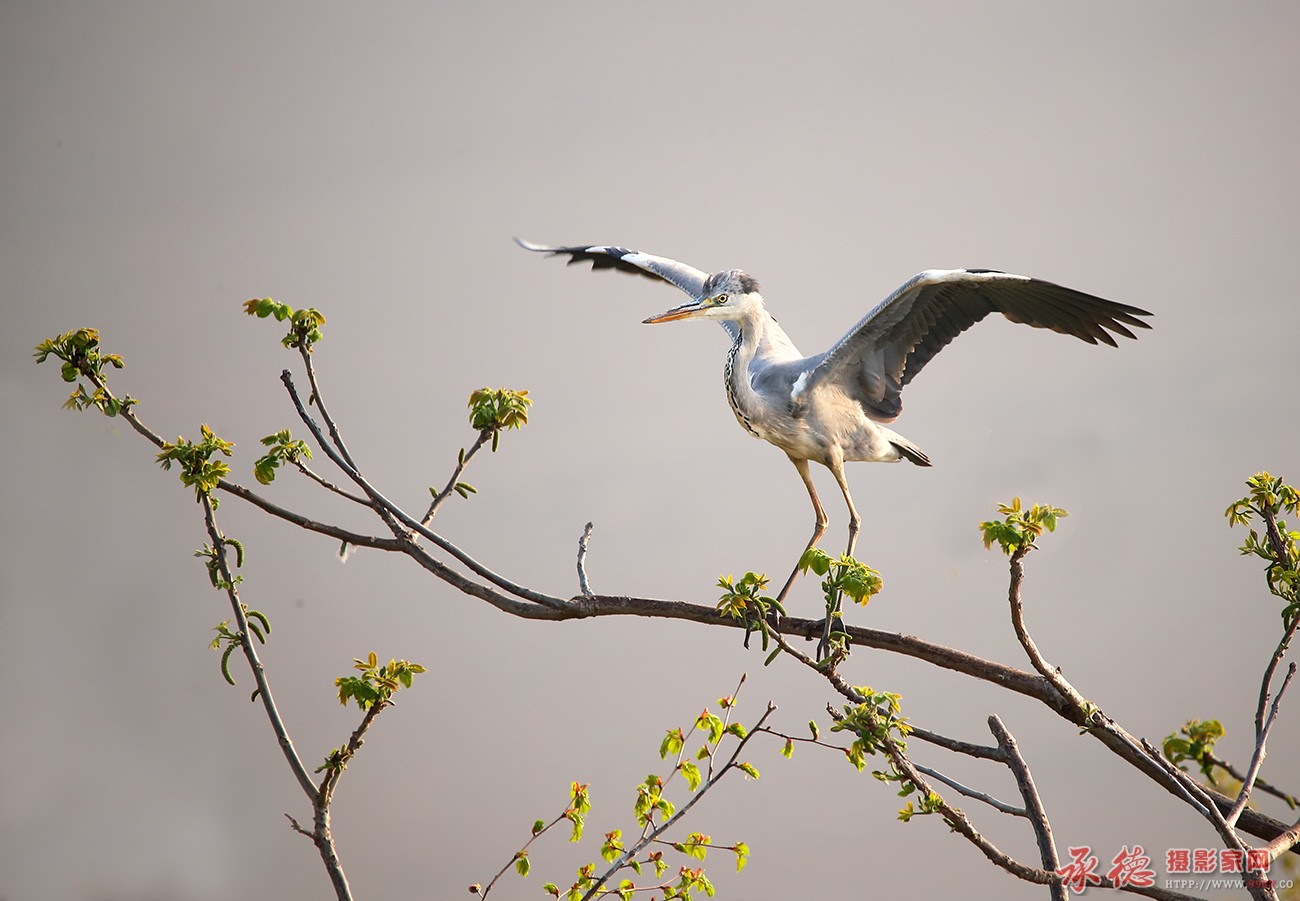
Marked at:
<point>672,743</point>
<point>742,855</point>
<point>815,559</point>
<point>264,469</point>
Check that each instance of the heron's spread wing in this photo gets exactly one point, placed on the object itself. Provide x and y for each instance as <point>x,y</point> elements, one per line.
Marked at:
<point>687,278</point>
<point>886,350</point>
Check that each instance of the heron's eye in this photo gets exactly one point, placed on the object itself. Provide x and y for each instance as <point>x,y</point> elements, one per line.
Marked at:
<point>721,298</point>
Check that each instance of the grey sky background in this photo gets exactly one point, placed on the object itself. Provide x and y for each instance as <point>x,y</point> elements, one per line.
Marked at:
<point>160,163</point>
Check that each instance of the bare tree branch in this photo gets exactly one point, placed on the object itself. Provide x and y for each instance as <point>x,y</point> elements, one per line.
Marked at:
<point>321,835</point>
<point>250,652</point>
<point>1257,758</point>
<point>396,518</point>
<point>1033,803</point>
<point>1047,686</point>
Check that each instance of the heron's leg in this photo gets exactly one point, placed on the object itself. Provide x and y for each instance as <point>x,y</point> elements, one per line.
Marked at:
<point>832,612</point>
<point>838,471</point>
<point>819,527</point>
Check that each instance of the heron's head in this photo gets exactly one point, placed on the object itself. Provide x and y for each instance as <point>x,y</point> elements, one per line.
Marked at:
<point>730,294</point>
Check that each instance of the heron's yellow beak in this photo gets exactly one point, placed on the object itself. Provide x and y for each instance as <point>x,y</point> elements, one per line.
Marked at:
<point>685,311</point>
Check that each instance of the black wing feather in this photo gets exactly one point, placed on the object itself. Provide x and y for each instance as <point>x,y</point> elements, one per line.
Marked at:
<point>680,275</point>
<point>892,344</point>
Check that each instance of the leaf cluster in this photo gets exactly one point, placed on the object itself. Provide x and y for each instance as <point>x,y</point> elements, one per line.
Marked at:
<point>926,804</point>
<point>283,449</point>
<point>493,410</point>
<point>79,350</point>
<point>845,576</point>
<point>877,724</point>
<point>842,576</point>
<point>1269,498</point>
<point>304,325</point>
<point>198,470</point>
<point>1194,741</point>
<point>1020,528</point>
<point>576,812</point>
<point>743,600</point>
<point>377,683</point>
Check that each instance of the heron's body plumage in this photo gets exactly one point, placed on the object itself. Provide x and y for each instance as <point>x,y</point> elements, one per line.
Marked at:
<point>762,376</point>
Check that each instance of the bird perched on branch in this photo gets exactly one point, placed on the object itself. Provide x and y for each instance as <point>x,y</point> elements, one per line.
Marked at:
<point>833,407</point>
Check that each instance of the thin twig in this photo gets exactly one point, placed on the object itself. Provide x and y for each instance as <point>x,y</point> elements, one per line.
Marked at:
<point>305,352</point>
<point>982,752</point>
<point>250,652</point>
<point>1260,783</point>
<point>1266,683</point>
<point>487,889</point>
<point>1034,808</point>
<point>321,836</point>
<point>1257,758</point>
<point>302,522</point>
<point>583,585</point>
<point>630,853</point>
<point>401,522</point>
<point>461,462</point>
<point>328,485</point>
<point>973,793</point>
<point>386,544</point>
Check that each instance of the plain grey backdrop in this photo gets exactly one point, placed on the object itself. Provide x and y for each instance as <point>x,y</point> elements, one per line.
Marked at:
<point>161,163</point>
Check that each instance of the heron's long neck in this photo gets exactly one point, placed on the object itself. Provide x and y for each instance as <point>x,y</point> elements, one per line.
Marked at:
<point>757,335</point>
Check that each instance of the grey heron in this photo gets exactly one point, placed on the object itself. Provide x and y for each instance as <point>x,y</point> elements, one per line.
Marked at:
<point>833,407</point>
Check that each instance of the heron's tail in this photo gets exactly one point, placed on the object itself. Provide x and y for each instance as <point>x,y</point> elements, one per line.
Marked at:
<point>909,451</point>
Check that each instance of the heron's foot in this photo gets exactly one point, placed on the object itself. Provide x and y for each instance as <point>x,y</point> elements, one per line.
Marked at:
<point>826,645</point>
